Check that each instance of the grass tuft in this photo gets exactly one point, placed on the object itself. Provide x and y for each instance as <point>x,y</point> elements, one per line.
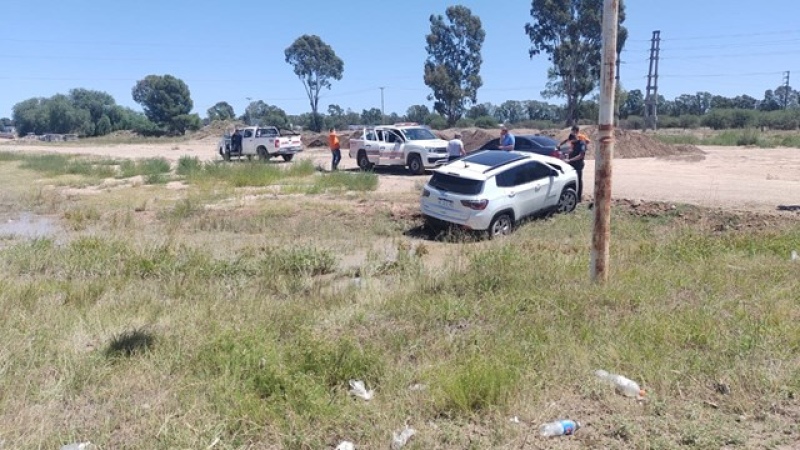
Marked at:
<point>130,343</point>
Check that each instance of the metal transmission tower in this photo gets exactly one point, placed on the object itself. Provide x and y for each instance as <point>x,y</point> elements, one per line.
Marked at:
<point>651,98</point>
<point>785,89</point>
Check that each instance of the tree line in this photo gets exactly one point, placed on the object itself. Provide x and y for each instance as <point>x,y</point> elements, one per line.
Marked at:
<point>568,33</point>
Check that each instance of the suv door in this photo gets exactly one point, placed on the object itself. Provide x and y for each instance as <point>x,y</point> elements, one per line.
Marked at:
<point>527,187</point>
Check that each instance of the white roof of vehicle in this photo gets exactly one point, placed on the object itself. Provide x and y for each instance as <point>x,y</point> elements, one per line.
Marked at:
<point>468,169</point>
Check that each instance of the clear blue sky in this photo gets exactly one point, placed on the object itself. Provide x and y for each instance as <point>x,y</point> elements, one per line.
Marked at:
<point>233,50</point>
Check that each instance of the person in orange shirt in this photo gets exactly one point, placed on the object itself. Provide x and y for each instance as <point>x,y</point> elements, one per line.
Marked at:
<point>336,151</point>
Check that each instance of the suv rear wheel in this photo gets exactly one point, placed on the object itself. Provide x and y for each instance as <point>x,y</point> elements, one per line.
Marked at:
<point>415,165</point>
<point>501,225</point>
<point>568,201</point>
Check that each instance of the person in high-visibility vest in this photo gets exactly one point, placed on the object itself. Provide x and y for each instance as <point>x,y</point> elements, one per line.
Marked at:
<point>336,151</point>
<point>580,144</point>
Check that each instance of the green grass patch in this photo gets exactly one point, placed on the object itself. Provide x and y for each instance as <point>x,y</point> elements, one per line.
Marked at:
<point>188,165</point>
<point>250,173</point>
<point>337,182</point>
<point>149,167</point>
<point>253,339</point>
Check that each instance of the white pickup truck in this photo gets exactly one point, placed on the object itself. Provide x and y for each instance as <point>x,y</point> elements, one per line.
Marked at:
<point>264,142</point>
<point>404,144</point>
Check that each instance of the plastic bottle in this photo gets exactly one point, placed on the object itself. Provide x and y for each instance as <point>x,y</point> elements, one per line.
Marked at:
<point>622,385</point>
<point>559,428</point>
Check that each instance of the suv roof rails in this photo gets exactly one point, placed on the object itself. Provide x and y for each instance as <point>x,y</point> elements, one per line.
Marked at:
<point>517,158</point>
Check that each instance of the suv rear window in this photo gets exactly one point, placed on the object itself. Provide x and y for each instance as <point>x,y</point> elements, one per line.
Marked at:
<point>458,185</point>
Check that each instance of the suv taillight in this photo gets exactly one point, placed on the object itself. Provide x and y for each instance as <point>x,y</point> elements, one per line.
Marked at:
<point>277,143</point>
<point>477,205</point>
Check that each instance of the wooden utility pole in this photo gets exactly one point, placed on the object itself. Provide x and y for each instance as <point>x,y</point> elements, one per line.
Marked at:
<point>601,234</point>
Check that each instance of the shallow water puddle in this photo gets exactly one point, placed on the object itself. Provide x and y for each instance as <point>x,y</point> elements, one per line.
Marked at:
<point>29,225</point>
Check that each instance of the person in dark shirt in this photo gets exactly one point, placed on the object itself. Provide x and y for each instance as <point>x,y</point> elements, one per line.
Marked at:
<point>575,159</point>
<point>236,142</point>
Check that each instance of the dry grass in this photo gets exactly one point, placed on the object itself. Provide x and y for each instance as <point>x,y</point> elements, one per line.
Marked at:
<point>230,316</point>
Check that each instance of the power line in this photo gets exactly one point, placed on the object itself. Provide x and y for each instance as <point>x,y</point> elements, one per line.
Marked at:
<point>721,36</point>
<point>730,55</point>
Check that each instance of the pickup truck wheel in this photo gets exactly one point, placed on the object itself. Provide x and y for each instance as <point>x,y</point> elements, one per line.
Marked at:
<point>415,165</point>
<point>262,154</point>
<point>363,161</point>
<point>226,155</point>
<point>287,158</point>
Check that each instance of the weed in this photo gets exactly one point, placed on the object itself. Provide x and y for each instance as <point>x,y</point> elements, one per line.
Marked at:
<point>130,343</point>
<point>188,165</point>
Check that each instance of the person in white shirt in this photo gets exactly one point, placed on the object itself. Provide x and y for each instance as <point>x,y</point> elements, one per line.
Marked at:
<point>455,148</point>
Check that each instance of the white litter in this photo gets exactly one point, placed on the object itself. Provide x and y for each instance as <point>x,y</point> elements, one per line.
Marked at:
<point>514,419</point>
<point>346,445</point>
<point>400,439</point>
<point>357,388</point>
<point>78,446</point>
<point>795,256</point>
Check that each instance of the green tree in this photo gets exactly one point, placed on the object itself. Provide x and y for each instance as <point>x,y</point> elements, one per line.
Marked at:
<point>417,113</point>
<point>452,69</point>
<point>30,116</point>
<point>372,116</point>
<point>97,104</point>
<point>569,32</point>
<point>537,110</point>
<point>260,113</point>
<point>221,111</point>
<point>481,110</point>
<point>633,104</point>
<point>510,111</point>
<point>164,99</point>
<point>315,64</point>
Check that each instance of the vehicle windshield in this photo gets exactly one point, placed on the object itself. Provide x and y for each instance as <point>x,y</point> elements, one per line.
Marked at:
<point>458,185</point>
<point>419,134</point>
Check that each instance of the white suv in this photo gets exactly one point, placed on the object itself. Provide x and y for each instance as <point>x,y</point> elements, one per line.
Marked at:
<point>491,190</point>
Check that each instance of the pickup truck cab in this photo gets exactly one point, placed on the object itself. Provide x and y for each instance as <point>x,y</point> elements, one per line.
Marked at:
<point>264,142</point>
<point>404,144</point>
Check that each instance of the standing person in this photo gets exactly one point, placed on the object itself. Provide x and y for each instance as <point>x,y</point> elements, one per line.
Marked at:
<point>507,140</point>
<point>575,130</point>
<point>236,141</point>
<point>455,148</point>
<point>336,150</point>
<point>575,159</point>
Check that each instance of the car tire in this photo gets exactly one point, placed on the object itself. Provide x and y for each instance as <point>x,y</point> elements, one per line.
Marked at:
<point>287,158</point>
<point>262,153</point>
<point>502,225</point>
<point>363,161</point>
<point>226,155</point>
<point>568,201</point>
<point>415,165</point>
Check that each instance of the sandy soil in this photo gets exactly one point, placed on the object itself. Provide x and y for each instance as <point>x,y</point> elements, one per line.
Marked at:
<point>734,178</point>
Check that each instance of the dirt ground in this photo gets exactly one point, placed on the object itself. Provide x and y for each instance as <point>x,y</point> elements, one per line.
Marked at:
<point>730,178</point>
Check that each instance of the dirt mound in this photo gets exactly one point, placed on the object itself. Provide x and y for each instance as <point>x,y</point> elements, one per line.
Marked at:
<point>630,144</point>
<point>320,140</point>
